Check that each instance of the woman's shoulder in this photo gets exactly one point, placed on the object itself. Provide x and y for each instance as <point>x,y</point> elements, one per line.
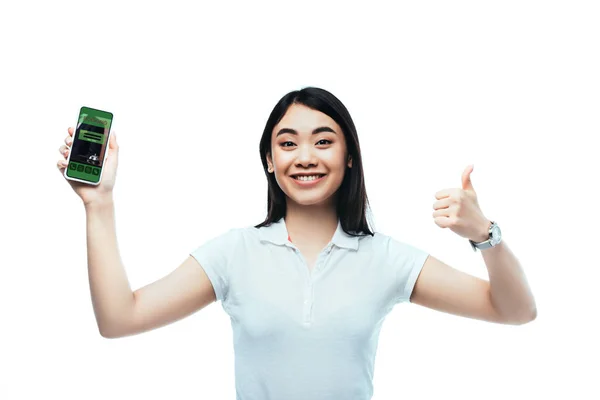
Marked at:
<point>243,233</point>
<point>235,233</point>
<point>385,241</point>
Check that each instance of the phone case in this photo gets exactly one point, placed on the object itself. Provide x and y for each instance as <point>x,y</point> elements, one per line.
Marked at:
<point>104,156</point>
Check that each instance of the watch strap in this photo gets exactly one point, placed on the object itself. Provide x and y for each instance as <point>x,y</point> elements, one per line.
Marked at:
<point>486,244</point>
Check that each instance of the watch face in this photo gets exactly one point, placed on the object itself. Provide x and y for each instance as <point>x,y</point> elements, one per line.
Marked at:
<point>496,234</point>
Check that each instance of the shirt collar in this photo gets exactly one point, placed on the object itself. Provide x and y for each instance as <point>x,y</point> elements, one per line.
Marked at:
<point>277,233</point>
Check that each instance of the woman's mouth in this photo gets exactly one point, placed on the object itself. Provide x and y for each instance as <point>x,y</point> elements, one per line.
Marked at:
<point>308,180</point>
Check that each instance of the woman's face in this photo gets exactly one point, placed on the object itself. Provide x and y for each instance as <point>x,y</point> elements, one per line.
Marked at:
<point>296,150</point>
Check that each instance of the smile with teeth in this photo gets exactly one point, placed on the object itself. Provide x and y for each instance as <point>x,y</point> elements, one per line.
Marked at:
<point>307,178</point>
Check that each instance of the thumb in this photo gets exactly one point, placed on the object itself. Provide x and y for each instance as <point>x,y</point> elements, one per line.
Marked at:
<point>112,143</point>
<point>112,153</point>
<point>466,178</point>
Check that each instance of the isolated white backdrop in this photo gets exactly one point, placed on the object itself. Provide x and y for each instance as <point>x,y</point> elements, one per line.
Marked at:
<point>432,86</point>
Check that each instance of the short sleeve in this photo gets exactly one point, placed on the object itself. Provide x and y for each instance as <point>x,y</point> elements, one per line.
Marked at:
<point>214,256</point>
<point>407,262</point>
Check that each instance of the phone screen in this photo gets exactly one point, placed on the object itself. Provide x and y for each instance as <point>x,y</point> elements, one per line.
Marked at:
<point>90,142</point>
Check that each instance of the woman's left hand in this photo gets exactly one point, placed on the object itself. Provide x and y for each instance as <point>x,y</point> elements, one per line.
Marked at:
<point>459,210</point>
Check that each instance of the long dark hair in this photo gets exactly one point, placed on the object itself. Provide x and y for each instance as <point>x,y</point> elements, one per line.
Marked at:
<point>352,201</point>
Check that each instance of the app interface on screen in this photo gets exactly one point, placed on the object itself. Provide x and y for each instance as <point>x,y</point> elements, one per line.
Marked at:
<point>89,144</point>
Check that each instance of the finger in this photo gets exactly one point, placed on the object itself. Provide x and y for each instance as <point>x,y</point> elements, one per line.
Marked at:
<point>443,203</point>
<point>440,194</point>
<point>442,212</point>
<point>450,192</point>
<point>64,150</point>
<point>112,141</point>
<point>443,222</point>
<point>69,140</point>
<point>60,164</point>
<point>70,130</point>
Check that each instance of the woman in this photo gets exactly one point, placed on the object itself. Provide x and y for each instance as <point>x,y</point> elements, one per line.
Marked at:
<point>307,289</point>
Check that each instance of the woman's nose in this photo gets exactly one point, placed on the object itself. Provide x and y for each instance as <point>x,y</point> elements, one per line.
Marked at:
<point>306,155</point>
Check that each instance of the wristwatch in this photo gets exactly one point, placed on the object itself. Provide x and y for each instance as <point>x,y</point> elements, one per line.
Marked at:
<point>495,237</point>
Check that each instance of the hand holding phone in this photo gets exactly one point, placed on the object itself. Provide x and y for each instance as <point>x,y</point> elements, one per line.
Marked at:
<point>90,156</point>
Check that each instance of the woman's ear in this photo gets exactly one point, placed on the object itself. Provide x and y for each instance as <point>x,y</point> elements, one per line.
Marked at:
<point>269,163</point>
<point>349,161</point>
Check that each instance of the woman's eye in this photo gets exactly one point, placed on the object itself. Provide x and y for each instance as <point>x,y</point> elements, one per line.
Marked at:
<point>322,140</point>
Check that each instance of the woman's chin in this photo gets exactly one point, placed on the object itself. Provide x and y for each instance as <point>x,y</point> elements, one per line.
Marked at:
<point>310,199</point>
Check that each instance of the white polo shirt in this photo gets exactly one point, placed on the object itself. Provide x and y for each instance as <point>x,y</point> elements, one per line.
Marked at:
<point>301,334</point>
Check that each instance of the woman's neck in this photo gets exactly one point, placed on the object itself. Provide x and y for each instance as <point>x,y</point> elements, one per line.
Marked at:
<point>311,225</point>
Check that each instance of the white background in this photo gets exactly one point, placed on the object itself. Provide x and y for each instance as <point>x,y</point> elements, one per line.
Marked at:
<point>511,86</point>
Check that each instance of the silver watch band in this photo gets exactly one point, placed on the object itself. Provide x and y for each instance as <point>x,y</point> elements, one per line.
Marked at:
<point>486,244</point>
<point>481,245</point>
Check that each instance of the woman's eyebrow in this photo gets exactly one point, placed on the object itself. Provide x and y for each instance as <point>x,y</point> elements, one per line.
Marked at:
<point>317,130</point>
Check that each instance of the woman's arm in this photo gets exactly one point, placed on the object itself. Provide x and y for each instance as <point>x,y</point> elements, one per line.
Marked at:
<point>505,299</point>
<point>121,312</point>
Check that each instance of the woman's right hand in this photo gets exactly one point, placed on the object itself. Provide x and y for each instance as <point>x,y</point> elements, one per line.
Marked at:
<point>90,193</point>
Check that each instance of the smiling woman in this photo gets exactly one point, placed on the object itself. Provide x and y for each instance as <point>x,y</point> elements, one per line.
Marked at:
<point>308,177</point>
<point>310,132</point>
<point>308,289</point>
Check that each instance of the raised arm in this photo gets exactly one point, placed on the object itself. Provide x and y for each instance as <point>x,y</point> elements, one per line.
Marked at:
<point>121,312</point>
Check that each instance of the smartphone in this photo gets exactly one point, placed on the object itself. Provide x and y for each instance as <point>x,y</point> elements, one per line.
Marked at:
<point>90,143</point>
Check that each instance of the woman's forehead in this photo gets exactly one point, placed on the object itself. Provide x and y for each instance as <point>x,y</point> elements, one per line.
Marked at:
<point>304,120</point>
